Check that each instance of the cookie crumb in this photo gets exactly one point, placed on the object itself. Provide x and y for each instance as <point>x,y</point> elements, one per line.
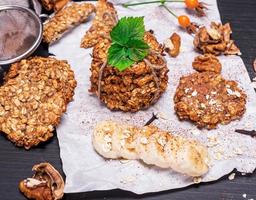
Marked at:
<point>232,176</point>
<point>194,93</point>
<point>124,161</point>
<point>253,84</point>
<point>239,151</point>
<point>195,132</point>
<point>128,179</point>
<point>197,180</point>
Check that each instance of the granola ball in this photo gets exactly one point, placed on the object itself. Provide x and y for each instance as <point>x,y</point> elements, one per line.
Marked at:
<point>33,98</point>
<point>135,88</point>
<point>207,62</point>
<point>207,99</point>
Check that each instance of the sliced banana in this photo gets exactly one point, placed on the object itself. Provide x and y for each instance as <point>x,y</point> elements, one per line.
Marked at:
<point>123,142</point>
<point>186,156</point>
<point>157,143</point>
<point>142,144</point>
<point>102,139</point>
<point>152,145</point>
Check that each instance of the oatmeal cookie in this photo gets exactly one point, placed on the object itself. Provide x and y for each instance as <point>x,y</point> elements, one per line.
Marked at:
<point>105,19</point>
<point>207,99</point>
<point>33,98</point>
<point>64,20</point>
<point>137,87</point>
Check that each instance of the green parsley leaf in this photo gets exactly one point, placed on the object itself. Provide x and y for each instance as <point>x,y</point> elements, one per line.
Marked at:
<point>118,57</point>
<point>137,50</point>
<point>128,28</point>
<point>128,45</point>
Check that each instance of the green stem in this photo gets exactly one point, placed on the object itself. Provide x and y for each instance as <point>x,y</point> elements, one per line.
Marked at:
<point>169,11</point>
<point>150,2</point>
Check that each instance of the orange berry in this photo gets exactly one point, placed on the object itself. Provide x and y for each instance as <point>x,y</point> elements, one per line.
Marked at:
<point>191,4</point>
<point>184,21</point>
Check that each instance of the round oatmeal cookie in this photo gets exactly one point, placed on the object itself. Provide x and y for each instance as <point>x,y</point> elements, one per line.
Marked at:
<point>135,88</point>
<point>207,99</point>
<point>33,98</point>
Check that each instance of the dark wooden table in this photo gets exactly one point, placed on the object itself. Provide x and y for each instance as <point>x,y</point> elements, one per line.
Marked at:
<point>16,163</point>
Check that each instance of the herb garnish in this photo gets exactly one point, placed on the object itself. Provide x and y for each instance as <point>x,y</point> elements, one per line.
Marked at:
<point>128,45</point>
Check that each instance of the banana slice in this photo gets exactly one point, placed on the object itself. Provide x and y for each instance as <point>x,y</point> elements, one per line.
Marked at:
<point>102,139</point>
<point>157,143</point>
<point>187,156</point>
<point>123,142</point>
<point>142,144</point>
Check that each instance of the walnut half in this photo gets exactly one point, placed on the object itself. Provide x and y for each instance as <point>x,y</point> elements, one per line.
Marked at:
<point>207,62</point>
<point>55,5</point>
<point>172,45</point>
<point>46,183</point>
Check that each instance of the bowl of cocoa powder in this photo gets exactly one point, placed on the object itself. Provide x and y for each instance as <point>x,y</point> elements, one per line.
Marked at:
<point>20,35</point>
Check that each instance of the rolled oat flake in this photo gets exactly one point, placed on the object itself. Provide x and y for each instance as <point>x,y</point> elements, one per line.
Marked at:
<point>20,33</point>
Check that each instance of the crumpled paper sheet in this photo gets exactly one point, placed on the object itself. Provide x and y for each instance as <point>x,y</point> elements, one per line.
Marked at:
<point>87,171</point>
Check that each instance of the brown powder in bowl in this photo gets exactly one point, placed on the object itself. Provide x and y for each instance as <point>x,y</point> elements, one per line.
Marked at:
<point>18,32</point>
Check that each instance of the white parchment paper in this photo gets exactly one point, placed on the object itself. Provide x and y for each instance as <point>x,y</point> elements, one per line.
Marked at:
<point>86,171</point>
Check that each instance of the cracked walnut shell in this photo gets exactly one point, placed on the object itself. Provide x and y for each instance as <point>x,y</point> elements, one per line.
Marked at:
<point>134,89</point>
<point>46,184</point>
<point>33,98</point>
<point>207,99</point>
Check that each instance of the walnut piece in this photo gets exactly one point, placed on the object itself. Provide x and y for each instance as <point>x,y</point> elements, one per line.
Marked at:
<point>216,40</point>
<point>55,5</point>
<point>172,45</point>
<point>35,189</point>
<point>47,4</point>
<point>207,62</point>
<point>46,184</point>
<point>59,4</point>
